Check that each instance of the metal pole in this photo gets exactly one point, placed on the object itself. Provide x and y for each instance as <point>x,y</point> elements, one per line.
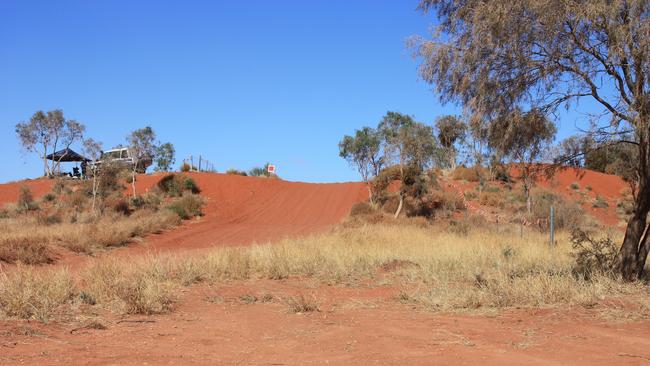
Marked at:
<point>199,162</point>
<point>552,225</point>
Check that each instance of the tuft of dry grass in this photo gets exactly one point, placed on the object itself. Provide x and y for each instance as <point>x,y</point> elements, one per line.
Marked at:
<point>29,294</point>
<point>303,304</point>
<point>133,288</point>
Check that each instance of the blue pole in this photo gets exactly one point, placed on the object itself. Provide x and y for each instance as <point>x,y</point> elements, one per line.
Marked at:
<point>552,225</point>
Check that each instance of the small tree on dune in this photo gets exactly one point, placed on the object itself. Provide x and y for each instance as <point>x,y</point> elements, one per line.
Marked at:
<point>522,138</point>
<point>142,147</point>
<point>363,151</point>
<point>165,157</point>
<point>93,150</point>
<point>451,130</point>
<point>409,144</point>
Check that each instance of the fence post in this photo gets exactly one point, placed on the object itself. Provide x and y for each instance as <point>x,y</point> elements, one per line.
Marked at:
<point>552,225</point>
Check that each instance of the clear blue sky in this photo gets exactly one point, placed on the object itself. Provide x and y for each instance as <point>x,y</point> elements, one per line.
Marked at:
<point>240,82</point>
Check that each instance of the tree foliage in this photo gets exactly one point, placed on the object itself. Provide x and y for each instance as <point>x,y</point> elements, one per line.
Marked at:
<point>521,137</point>
<point>142,147</point>
<point>451,130</point>
<point>49,132</point>
<point>363,151</point>
<point>495,57</point>
<point>165,157</point>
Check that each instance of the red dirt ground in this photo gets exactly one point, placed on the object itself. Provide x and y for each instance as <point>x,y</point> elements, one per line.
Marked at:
<point>355,326</point>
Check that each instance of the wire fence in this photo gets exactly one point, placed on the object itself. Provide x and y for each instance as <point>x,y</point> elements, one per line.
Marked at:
<point>198,164</point>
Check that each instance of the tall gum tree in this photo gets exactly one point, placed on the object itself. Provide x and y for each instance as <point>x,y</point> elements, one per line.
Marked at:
<point>493,57</point>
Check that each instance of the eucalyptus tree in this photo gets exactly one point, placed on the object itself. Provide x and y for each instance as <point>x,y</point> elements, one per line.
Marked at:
<point>49,132</point>
<point>165,157</point>
<point>409,144</point>
<point>451,130</point>
<point>496,56</point>
<point>142,147</point>
<point>93,150</point>
<point>364,152</point>
<point>522,138</point>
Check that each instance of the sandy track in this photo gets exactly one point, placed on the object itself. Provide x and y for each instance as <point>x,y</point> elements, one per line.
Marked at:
<point>244,210</point>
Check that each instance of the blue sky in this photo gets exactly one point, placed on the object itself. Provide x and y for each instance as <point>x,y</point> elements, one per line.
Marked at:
<point>239,82</point>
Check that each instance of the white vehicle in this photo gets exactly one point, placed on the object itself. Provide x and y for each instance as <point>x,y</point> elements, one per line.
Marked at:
<point>123,156</point>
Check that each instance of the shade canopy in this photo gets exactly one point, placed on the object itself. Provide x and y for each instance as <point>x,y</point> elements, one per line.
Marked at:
<point>67,155</point>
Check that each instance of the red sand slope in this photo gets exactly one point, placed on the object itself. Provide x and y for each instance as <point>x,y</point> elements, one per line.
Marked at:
<point>239,210</point>
<point>243,210</point>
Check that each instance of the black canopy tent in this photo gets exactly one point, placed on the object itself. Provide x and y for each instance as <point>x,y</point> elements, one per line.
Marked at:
<point>68,155</point>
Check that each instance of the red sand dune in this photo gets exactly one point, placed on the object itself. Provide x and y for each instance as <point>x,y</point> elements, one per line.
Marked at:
<point>243,210</point>
<point>240,210</point>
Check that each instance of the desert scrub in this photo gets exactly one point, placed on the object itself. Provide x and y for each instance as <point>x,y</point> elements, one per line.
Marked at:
<point>187,206</point>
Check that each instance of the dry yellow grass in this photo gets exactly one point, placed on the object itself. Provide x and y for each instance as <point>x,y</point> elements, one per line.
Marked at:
<point>26,240</point>
<point>437,269</point>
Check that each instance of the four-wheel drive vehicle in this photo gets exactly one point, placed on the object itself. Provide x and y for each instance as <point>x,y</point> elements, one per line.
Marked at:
<point>122,156</point>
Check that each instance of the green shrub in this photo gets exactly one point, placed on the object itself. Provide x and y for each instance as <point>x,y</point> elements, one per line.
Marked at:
<point>187,206</point>
<point>593,255</point>
<point>233,171</point>
<point>122,207</point>
<point>173,185</point>
<point>568,215</point>
<point>50,197</point>
<point>26,200</point>
<point>575,186</point>
<point>361,208</point>
<point>600,202</point>
<point>137,202</point>
<point>191,186</point>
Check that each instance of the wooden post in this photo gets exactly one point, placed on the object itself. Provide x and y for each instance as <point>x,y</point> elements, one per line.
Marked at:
<point>199,162</point>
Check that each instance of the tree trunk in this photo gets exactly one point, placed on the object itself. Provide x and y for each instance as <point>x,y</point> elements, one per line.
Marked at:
<point>632,256</point>
<point>401,195</point>
<point>528,200</point>
<point>643,252</point>
<point>633,253</point>
<point>94,191</point>
<point>133,181</point>
<point>399,207</point>
<point>372,202</point>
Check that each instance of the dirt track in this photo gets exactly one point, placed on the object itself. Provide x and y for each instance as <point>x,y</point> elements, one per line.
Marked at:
<point>244,210</point>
